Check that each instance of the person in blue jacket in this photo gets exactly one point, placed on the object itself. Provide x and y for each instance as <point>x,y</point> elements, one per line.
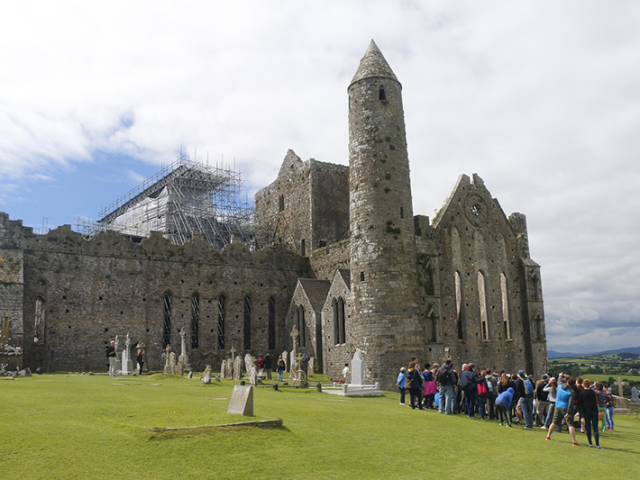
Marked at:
<point>565,407</point>
<point>503,404</point>
<point>401,383</point>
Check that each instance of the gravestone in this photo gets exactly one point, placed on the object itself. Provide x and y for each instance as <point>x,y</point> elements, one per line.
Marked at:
<point>229,369</point>
<point>634,394</point>
<point>357,368</point>
<point>223,369</point>
<point>183,360</point>
<point>172,363</point>
<point>285,357</point>
<point>127,363</point>
<point>118,355</point>
<point>241,402</point>
<point>206,375</point>
<point>253,376</point>
<point>167,360</point>
<point>247,363</point>
<point>312,366</point>
<point>293,365</point>
<point>237,368</point>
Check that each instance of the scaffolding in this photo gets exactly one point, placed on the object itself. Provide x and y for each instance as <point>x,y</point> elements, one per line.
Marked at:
<point>183,198</point>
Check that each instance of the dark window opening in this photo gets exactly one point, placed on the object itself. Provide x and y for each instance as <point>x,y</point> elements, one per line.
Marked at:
<point>272,323</point>
<point>247,323</point>
<point>382,94</point>
<point>362,276</point>
<point>303,250</point>
<point>222,317</point>
<point>166,332</point>
<point>195,320</point>
<point>281,203</point>
<point>401,212</point>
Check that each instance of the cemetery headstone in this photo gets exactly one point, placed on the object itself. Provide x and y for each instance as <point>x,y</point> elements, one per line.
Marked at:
<point>253,376</point>
<point>312,366</point>
<point>241,402</point>
<point>634,394</point>
<point>247,363</point>
<point>206,375</point>
<point>167,360</point>
<point>237,368</point>
<point>357,368</point>
<point>285,357</point>
<point>223,369</point>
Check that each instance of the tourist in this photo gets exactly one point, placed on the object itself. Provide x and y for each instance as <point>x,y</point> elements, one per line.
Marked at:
<point>111,355</point>
<point>492,387</point>
<point>260,365</point>
<point>281,366</point>
<point>550,390</point>
<point>565,407</point>
<point>469,385</point>
<point>526,401</point>
<point>414,383</point>
<point>401,383</point>
<point>589,408</point>
<point>446,381</point>
<point>503,405</point>
<point>601,395</point>
<point>429,387</point>
<point>482,393</point>
<point>345,373</point>
<point>577,389</point>
<point>609,408</point>
<point>542,400</point>
<point>140,360</point>
<point>268,364</point>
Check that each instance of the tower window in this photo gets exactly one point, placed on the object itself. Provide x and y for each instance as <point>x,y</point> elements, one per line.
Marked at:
<point>401,212</point>
<point>381,93</point>
<point>281,203</point>
<point>362,276</point>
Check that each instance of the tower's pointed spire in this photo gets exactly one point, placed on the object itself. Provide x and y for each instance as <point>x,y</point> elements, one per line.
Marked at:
<point>373,64</point>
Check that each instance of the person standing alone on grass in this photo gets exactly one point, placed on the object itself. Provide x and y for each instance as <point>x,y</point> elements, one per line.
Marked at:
<point>140,360</point>
<point>281,367</point>
<point>401,383</point>
<point>111,355</point>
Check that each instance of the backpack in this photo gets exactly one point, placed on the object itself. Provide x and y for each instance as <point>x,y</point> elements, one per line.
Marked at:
<point>444,376</point>
<point>482,389</point>
<point>528,388</point>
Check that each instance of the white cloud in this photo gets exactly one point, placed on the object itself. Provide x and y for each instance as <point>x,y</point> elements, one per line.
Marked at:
<point>542,99</point>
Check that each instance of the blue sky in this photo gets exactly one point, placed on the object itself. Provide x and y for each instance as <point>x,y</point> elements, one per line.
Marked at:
<point>541,99</point>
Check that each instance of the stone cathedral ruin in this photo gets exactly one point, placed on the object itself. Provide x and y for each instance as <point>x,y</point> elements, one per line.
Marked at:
<point>336,251</point>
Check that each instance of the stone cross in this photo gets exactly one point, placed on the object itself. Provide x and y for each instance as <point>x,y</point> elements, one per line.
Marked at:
<point>620,384</point>
<point>295,336</point>
<point>233,353</point>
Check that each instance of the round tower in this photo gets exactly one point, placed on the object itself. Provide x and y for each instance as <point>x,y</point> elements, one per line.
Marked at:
<point>384,281</point>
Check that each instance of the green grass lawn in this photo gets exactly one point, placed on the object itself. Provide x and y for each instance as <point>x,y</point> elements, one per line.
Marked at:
<point>73,426</point>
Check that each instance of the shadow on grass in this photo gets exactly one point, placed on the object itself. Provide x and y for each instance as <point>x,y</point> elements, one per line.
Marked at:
<point>188,432</point>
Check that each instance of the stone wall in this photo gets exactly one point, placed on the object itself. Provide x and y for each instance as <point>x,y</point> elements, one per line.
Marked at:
<point>96,289</point>
<point>306,207</point>
<point>325,261</point>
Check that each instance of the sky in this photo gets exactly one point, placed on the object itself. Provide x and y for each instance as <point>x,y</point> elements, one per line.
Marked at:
<point>540,98</point>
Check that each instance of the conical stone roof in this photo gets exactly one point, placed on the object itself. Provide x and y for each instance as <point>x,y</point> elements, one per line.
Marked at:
<point>373,65</point>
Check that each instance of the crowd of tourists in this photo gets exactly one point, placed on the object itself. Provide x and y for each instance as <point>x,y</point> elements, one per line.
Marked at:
<point>547,403</point>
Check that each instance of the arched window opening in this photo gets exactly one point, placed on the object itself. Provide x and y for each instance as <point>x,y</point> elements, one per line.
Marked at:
<point>247,323</point>
<point>303,250</point>
<point>431,280</point>
<point>38,333</point>
<point>459,309</point>
<point>482,300</point>
<point>382,95</point>
<point>272,323</point>
<point>166,332</point>
<point>505,307</point>
<point>302,340</point>
<point>433,328</point>
<point>341,321</point>
<point>222,320</point>
<point>195,320</point>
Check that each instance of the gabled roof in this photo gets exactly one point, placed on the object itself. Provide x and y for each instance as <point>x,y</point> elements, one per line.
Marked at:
<point>316,291</point>
<point>345,273</point>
